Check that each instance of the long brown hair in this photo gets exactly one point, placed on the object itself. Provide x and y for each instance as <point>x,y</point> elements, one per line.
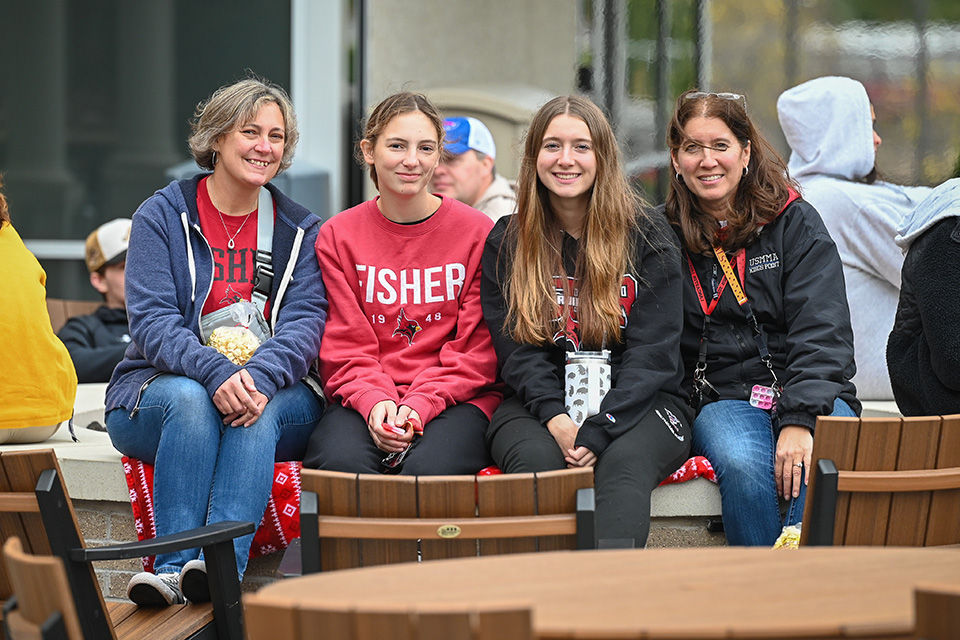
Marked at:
<point>4,212</point>
<point>606,242</point>
<point>761,194</point>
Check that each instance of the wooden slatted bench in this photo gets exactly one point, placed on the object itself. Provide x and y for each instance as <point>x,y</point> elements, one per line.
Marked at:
<point>369,519</point>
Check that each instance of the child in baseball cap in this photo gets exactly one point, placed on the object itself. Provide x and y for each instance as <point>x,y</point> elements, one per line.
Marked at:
<point>107,244</point>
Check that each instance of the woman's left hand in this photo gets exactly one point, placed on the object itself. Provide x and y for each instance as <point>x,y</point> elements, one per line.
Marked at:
<point>409,419</point>
<point>794,448</point>
<point>580,457</point>
<point>239,401</point>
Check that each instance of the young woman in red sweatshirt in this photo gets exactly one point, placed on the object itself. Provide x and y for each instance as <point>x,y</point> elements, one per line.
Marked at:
<point>407,361</point>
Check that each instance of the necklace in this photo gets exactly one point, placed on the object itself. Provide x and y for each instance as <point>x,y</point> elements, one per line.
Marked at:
<point>230,238</point>
<point>230,243</point>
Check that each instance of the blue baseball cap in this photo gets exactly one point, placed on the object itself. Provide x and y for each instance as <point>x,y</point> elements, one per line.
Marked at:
<point>463,134</point>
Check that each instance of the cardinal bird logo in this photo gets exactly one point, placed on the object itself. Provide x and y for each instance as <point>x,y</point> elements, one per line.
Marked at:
<point>406,327</point>
<point>231,296</point>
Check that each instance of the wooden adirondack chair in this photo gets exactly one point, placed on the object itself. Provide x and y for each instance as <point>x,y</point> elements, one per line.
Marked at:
<point>884,481</point>
<point>35,508</point>
<point>43,606</point>
<point>937,609</point>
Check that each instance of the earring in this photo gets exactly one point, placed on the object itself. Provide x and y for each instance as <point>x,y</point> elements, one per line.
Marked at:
<point>679,177</point>
<point>746,170</point>
<point>213,159</point>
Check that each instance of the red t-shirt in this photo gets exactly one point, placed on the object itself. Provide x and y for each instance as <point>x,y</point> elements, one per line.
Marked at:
<point>233,269</point>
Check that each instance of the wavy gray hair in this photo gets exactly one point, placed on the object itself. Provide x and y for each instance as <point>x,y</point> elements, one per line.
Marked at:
<point>235,105</point>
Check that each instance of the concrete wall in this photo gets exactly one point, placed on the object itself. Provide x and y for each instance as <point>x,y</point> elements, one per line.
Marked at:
<point>437,43</point>
<point>497,60</point>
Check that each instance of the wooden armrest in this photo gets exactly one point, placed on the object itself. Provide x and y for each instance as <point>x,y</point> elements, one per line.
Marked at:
<point>200,537</point>
<point>918,480</point>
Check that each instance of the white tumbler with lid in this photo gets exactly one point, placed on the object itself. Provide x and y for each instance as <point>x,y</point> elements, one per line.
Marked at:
<point>586,382</point>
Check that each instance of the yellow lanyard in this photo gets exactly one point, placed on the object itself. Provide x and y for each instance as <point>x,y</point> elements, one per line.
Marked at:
<point>731,276</point>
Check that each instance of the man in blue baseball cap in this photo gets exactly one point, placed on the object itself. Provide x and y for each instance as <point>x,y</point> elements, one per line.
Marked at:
<point>469,175</point>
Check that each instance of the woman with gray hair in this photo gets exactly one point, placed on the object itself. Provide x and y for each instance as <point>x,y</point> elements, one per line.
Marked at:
<point>210,389</point>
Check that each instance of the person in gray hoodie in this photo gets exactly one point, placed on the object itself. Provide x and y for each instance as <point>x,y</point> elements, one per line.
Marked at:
<point>923,351</point>
<point>828,123</point>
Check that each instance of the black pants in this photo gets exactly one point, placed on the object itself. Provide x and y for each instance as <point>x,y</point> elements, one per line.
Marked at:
<point>626,473</point>
<point>451,444</point>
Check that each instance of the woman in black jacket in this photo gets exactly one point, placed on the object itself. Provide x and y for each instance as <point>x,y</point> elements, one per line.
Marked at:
<point>583,266</point>
<point>766,344</point>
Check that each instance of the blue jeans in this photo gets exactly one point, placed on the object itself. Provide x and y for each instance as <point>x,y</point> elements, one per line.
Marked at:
<point>738,439</point>
<point>205,471</point>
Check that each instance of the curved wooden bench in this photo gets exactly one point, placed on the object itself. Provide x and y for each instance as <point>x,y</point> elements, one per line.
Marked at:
<point>370,519</point>
<point>270,618</point>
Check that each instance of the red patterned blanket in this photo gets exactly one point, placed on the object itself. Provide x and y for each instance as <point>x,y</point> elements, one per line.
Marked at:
<point>281,520</point>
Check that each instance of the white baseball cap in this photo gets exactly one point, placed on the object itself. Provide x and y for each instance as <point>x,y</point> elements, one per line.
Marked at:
<point>462,134</point>
<point>108,244</point>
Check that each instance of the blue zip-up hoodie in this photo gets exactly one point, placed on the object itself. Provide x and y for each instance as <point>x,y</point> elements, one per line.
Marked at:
<point>168,276</point>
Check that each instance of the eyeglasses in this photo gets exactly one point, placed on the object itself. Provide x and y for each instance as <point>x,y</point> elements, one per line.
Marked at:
<point>693,95</point>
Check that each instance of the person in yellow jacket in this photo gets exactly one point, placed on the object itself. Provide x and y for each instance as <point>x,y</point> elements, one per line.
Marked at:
<point>39,383</point>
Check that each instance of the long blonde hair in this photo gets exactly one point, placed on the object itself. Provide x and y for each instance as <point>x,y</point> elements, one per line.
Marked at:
<point>606,242</point>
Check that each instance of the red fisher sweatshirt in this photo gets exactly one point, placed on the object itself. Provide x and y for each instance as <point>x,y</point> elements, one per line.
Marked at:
<point>405,321</point>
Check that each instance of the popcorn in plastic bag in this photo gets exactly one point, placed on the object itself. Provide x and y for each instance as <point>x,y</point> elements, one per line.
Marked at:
<point>789,537</point>
<point>237,343</point>
<point>235,331</point>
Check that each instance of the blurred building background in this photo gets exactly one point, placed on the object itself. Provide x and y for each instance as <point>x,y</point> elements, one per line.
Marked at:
<point>96,95</point>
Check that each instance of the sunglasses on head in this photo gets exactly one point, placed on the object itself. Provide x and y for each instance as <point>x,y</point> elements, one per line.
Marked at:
<point>693,95</point>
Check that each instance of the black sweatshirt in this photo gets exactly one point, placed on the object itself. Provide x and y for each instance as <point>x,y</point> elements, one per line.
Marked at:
<point>923,351</point>
<point>96,342</point>
<point>644,363</point>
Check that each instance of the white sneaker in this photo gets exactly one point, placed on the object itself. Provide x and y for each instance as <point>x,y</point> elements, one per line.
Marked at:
<point>193,581</point>
<point>150,590</point>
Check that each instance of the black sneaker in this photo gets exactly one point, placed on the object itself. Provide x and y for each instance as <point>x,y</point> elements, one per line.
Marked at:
<point>150,590</point>
<point>194,583</point>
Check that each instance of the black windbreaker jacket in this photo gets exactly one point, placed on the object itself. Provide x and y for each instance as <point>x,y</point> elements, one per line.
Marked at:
<point>794,283</point>
<point>96,342</point>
